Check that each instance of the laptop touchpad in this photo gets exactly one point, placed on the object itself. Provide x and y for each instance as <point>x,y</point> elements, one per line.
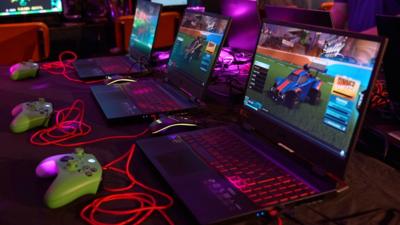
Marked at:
<point>181,163</point>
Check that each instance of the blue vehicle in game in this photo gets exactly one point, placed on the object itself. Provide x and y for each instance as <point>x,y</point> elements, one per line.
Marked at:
<point>299,86</point>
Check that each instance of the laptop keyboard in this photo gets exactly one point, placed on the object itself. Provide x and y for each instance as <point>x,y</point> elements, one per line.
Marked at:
<point>263,182</point>
<point>116,65</point>
<point>149,97</point>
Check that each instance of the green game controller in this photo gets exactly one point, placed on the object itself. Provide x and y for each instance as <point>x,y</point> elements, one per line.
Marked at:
<point>78,174</point>
<point>24,70</point>
<point>30,115</point>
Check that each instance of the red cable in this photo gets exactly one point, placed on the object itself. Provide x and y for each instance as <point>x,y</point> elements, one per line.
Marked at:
<point>65,66</point>
<point>147,203</point>
<point>279,221</point>
<point>69,125</point>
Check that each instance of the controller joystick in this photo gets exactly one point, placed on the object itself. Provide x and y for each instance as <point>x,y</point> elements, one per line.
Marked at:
<point>77,173</point>
<point>24,70</point>
<point>30,115</point>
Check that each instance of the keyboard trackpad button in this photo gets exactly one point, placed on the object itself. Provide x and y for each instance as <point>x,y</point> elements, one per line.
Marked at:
<point>181,163</point>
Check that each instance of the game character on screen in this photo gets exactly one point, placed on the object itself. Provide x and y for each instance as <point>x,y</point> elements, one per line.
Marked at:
<point>193,50</point>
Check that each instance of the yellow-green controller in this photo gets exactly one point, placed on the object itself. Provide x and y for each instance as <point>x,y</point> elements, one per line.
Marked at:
<point>78,174</point>
<point>30,115</point>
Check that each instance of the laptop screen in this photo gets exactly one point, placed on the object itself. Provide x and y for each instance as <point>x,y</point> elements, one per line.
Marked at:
<point>312,82</point>
<point>144,29</point>
<point>197,45</point>
<point>23,7</point>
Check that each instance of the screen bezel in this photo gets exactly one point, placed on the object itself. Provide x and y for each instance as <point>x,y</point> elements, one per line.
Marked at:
<point>35,13</point>
<point>304,147</point>
<point>133,52</point>
<point>322,18</point>
<point>182,79</point>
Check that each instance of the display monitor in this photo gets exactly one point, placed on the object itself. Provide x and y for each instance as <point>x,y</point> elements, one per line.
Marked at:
<point>144,29</point>
<point>312,82</point>
<point>170,2</point>
<point>197,45</point>
<point>24,7</point>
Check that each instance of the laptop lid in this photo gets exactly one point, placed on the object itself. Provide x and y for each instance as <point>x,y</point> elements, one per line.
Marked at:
<point>389,26</point>
<point>308,90</point>
<point>144,29</point>
<point>298,15</point>
<point>195,51</point>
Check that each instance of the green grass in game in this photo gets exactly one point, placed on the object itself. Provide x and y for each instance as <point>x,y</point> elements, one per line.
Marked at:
<point>306,116</point>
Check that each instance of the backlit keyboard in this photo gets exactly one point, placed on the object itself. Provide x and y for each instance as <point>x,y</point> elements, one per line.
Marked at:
<point>149,97</point>
<point>262,181</point>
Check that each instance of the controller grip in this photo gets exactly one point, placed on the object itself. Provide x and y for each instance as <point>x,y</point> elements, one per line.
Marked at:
<point>20,124</point>
<point>66,189</point>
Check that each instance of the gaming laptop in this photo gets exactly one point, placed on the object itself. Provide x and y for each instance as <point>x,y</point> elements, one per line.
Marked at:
<point>299,15</point>
<point>140,47</point>
<point>302,111</point>
<point>192,59</point>
<point>389,26</point>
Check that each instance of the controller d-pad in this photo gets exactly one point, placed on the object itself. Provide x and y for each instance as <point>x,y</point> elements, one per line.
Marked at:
<point>66,158</point>
<point>88,173</point>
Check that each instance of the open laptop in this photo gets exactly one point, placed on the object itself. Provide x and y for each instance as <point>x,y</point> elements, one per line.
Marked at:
<point>302,113</point>
<point>191,63</point>
<point>389,26</point>
<point>140,47</point>
<point>299,15</point>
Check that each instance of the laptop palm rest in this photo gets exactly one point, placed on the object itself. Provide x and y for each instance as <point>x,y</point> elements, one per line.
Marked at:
<point>114,103</point>
<point>206,193</point>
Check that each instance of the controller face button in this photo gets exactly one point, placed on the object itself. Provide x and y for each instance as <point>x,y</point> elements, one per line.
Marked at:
<point>66,158</point>
<point>85,167</point>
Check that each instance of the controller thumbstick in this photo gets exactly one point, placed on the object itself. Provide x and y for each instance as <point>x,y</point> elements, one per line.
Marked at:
<point>72,165</point>
<point>80,152</point>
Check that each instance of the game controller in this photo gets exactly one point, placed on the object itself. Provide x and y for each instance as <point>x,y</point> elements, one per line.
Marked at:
<point>77,173</point>
<point>24,70</point>
<point>29,115</point>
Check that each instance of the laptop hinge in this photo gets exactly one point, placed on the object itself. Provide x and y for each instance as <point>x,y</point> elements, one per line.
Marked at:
<point>190,96</point>
<point>341,185</point>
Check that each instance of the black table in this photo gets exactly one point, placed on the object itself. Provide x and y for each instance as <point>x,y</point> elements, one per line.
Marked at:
<point>373,184</point>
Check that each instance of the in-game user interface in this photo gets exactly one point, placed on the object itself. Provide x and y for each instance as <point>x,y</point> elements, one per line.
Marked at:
<point>144,28</point>
<point>170,2</point>
<point>21,7</point>
<point>197,44</point>
<point>312,81</point>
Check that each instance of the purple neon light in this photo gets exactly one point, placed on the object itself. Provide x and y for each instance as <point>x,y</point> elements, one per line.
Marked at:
<point>197,8</point>
<point>47,168</point>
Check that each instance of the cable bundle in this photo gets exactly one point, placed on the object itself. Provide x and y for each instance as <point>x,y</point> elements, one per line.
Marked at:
<point>145,206</point>
<point>63,67</point>
<point>380,97</point>
<point>70,124</point>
